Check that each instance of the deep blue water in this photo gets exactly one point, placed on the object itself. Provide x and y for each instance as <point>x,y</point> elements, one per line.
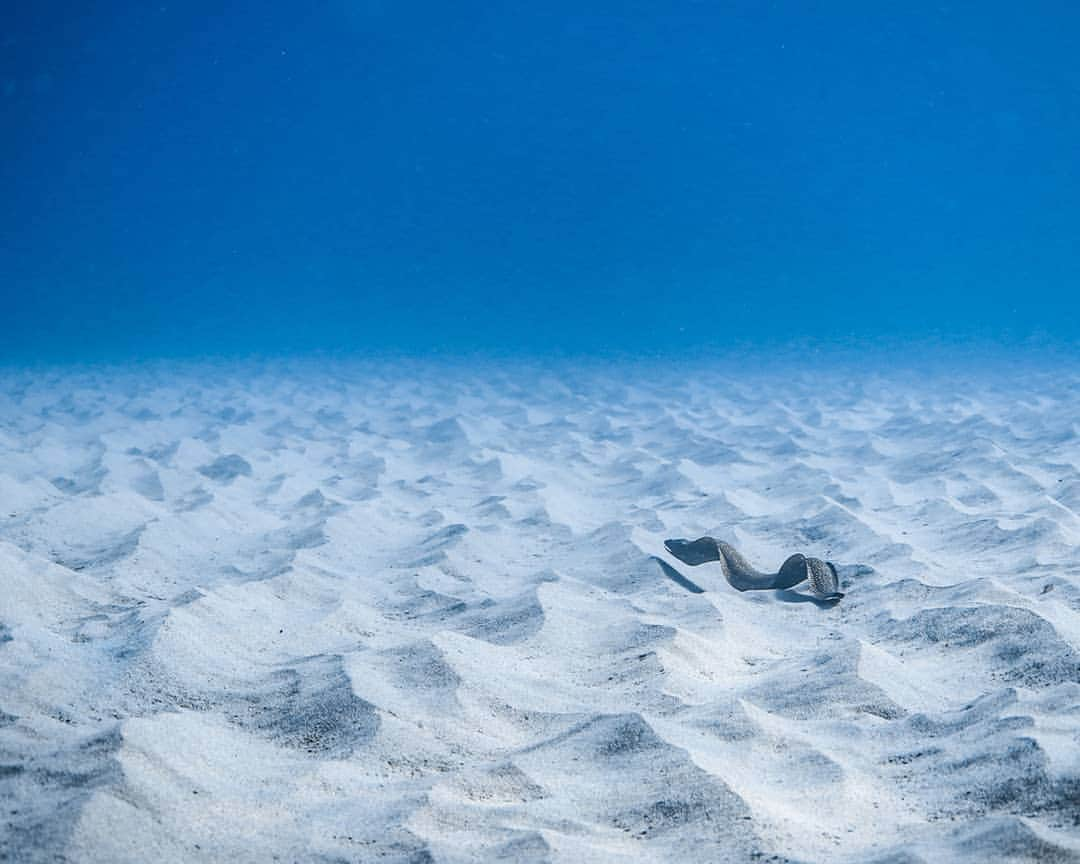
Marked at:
<point>541,178</point>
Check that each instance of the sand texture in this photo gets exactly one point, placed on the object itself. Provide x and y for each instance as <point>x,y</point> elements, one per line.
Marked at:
<point>420,614</point>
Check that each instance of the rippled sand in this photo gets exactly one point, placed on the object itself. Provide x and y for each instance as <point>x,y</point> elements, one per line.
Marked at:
<point>418,614</point>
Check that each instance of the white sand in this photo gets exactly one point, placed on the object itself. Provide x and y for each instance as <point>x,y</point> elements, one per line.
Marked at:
<point>410,614</point>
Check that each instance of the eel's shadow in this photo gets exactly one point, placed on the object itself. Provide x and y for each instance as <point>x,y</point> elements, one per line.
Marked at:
<point>786,595</point>
<point>677,577</point>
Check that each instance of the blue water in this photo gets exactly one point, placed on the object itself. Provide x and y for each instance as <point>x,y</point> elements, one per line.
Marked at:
<point>584,178</point>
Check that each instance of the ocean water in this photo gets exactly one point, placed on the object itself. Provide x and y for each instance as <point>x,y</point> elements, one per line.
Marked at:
<point>598,178</point>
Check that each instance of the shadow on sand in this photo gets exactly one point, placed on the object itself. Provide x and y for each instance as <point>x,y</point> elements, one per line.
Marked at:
<point>786,595</point>
<point>677,577</point>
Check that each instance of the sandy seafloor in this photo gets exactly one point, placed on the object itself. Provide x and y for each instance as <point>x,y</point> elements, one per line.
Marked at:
<point>337,612</point>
